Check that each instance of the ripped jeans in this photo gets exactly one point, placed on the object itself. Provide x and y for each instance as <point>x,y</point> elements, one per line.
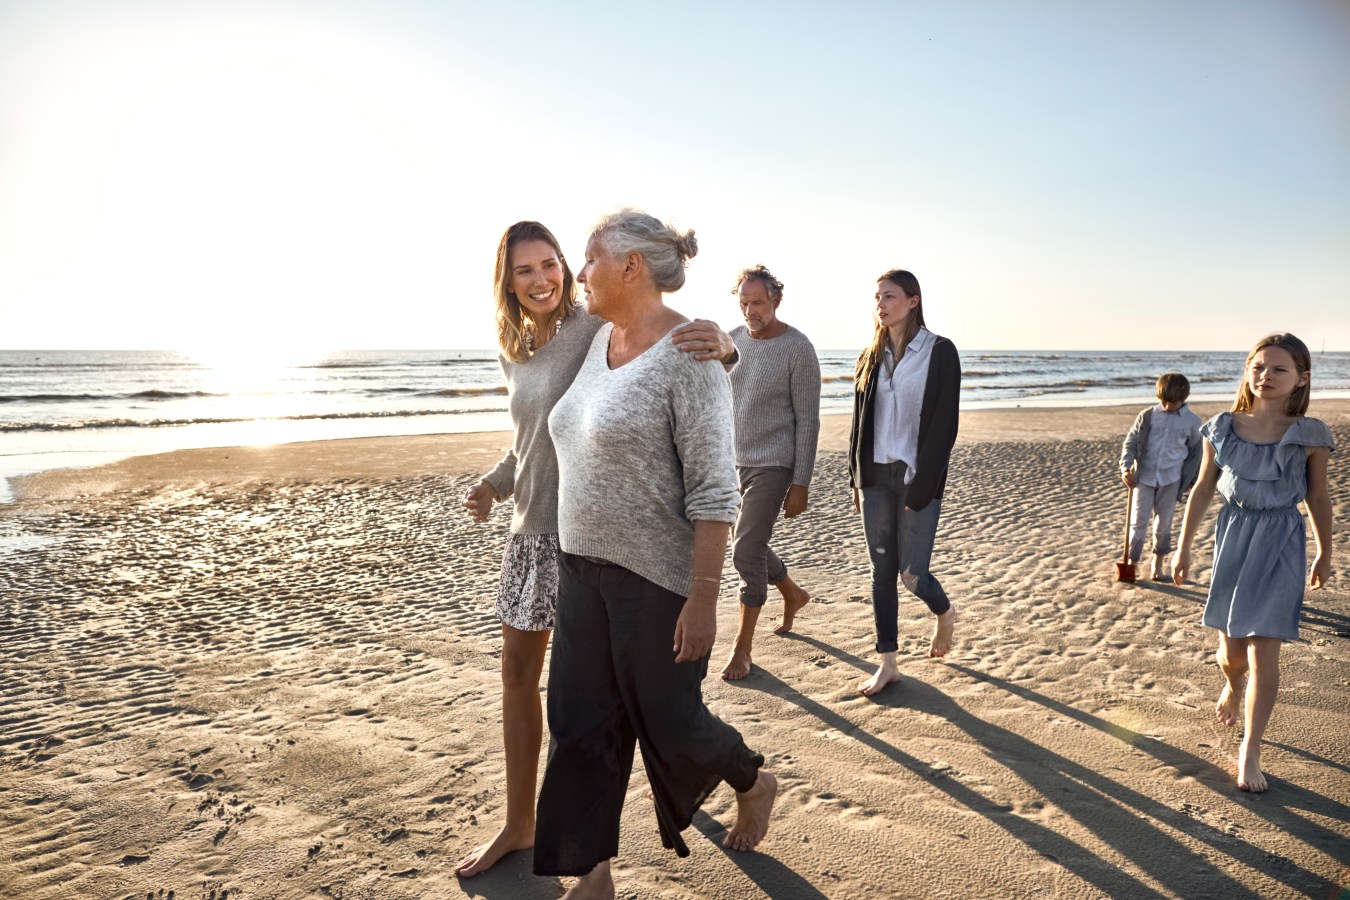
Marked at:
<point>898,541</point>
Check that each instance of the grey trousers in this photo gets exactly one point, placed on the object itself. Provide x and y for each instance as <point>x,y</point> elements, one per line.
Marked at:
<point>1158,504</point>
<point>763,489</point>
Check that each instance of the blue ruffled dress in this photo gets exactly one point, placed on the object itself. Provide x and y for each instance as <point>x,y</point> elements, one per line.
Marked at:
<point>1260,546</point>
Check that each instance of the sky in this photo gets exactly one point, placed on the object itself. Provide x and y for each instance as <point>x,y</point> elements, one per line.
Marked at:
<point>291,175</point>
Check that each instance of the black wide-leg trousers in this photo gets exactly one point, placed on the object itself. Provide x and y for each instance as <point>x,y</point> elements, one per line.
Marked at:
<point>613,681</point>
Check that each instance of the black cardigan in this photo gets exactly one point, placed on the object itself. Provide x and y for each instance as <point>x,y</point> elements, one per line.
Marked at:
<point>937,425</point>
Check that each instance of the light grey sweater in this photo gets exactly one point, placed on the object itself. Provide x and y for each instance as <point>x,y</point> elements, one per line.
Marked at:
<point>644,451</point>
<point>529,470</point>
<point>776,391</point>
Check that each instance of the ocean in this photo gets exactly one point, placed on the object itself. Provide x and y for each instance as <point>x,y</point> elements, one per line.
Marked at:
<point>61,408</point>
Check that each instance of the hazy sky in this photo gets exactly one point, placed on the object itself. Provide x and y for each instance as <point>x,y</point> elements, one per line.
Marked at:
<point>1094,175</point>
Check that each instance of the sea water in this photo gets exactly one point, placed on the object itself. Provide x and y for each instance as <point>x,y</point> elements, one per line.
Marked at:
<point>61,408</point>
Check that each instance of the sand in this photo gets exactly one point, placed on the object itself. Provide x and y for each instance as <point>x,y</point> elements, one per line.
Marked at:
<point>274,672</point>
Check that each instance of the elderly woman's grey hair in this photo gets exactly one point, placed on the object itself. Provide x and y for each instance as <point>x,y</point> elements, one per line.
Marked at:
<point>665,250</point>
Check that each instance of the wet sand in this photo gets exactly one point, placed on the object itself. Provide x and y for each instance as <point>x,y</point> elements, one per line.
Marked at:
<point>274,672</point>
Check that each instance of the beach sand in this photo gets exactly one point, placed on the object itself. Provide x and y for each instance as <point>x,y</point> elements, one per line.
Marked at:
<point>274,672</point>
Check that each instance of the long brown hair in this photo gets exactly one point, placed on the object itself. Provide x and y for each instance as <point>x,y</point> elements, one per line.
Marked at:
<point>1296,404</point>
<point>511,324</point>
<point>871,357</point>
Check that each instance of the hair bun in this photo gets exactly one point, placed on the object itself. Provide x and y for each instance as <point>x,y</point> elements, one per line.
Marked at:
<point>687,245</point>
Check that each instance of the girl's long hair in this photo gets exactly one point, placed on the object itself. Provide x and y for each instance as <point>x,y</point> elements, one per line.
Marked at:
<point>511,320</point>
<point>871,357</point>
<point>1297,402</point>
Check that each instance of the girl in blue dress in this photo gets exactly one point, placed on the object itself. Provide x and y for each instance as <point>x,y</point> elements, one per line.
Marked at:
<point>1264,457</point>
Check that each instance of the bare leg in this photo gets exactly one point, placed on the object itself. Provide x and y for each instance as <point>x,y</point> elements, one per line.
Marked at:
<point>597,884</point>
<point>887,674</point>
<point>522,734</point>
<point>942,634</point>
<point>739,665</point>
<point>752,813</point>
<point>794,598</point>
<point>1263,655</point>
<point>1232,659</point>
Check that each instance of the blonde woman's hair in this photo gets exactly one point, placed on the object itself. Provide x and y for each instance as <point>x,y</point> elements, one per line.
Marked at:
<point>1297,402</point>
<point>512,321</point>
<point>871,357</point>
<point>665,250</point>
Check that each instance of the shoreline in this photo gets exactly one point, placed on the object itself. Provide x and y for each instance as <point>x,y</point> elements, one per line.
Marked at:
<point>1030,421</point>
<point>476,452</point>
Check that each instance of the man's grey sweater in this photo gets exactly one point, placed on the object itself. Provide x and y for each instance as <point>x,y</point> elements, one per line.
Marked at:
<point>776,391</point>
<point>644,451</point>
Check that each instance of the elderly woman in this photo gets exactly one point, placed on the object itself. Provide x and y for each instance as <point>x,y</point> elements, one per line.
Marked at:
<point>543,335</point>
<point>647,494</point>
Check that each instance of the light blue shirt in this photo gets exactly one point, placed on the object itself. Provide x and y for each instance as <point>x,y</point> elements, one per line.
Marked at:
<point>898,403</point>
<point>1161,461</point>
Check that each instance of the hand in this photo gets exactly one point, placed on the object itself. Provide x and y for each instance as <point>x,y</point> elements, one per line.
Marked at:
<point>704,339</point>
<point>856,508</point>
<point>1181,566</point>
<point>1321,571</point>
<point>1129,479</point>
<point>794,504</point>
<point>478,501</point>
<point>696,629</point>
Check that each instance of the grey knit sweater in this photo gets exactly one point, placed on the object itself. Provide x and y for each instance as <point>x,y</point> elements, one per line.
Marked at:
<point>776,390</point>
<point>644,451</point>
<point>529,470</point>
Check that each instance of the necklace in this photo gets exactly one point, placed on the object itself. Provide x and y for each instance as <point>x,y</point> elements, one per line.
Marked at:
<point>528,337</point>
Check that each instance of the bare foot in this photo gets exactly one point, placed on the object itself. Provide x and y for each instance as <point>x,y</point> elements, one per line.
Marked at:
<point>738,666</point>
<point>942,634</point>
<point>1249,775</point>
<point>597,884</point>
<point>485,856</point>
<point>752,813</point>
<point>793,601</point>
<point>886,674</point>
<point>1228,708</point>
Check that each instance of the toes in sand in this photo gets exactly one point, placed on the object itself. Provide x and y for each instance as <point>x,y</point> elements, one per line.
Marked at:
<point>1249,774</point>
<point>792,604</point>
<point>942,634</point>
<point>737,667</point>
<point>885,675</point>
<point>485,856</point>
<point>753,808</point>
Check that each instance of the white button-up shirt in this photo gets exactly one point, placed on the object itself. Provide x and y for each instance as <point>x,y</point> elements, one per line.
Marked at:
<point>898,403</point>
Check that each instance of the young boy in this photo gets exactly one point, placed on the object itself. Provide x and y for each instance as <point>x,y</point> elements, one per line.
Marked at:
<point>1159,459</point>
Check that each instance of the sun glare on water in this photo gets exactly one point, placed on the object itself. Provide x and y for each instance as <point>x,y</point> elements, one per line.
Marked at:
<point>252,369</point>
<point>263,387</point>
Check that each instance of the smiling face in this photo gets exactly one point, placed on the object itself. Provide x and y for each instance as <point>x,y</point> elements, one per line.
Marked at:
<point>1272,374</point>
<point>893,306</point>
<point>760,313</point>
<point>536,278</point>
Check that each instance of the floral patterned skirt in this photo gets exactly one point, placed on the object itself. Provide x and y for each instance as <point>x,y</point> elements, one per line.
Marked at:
<point>528,595</point>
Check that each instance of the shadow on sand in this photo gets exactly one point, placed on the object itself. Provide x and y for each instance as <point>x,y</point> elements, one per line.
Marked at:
<point>1139,827</point>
